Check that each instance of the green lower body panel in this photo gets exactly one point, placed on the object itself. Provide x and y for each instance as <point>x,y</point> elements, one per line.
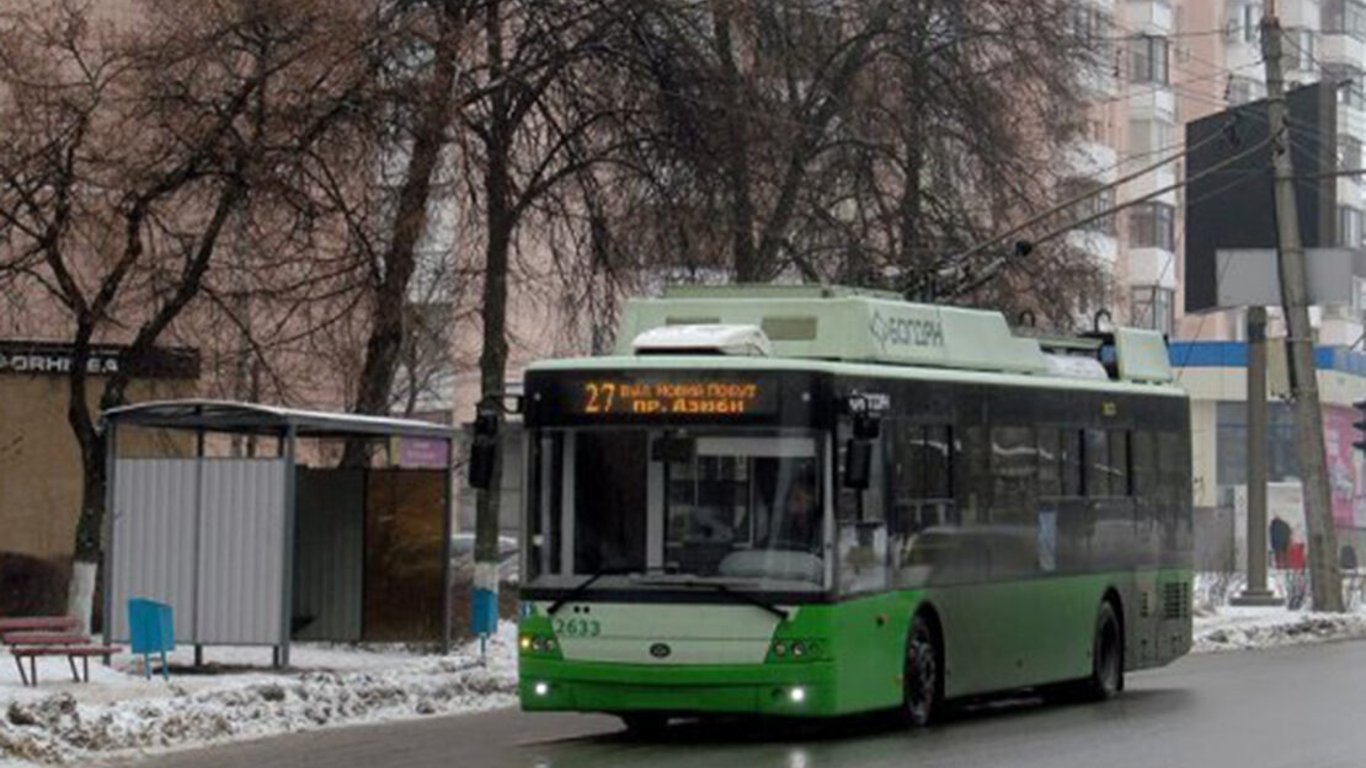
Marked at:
<point>559,685</point>
<point>711,659</point>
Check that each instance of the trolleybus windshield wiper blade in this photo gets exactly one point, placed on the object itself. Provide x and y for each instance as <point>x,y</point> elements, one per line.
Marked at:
<point>579,589</point>
<point>724,588</point>
<point>582,586</point>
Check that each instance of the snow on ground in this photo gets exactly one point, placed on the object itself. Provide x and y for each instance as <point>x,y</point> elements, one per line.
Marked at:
<point>120,714</point>
<point>1223,627</point>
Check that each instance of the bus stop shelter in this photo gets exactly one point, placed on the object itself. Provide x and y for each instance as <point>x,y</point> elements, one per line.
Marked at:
<point>263,550</point>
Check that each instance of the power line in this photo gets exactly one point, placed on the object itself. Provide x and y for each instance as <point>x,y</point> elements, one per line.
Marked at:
<point>1001,262</point>
<point>1070,202</point>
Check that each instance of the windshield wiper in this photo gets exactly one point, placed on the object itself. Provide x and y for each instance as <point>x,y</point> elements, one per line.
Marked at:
<point>743,596</point>
<point>581,587</point>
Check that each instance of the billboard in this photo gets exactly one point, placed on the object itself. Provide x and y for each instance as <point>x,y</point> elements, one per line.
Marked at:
<point>1232,207</point>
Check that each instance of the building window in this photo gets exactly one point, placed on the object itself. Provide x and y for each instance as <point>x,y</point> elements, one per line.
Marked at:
<point>1349,153</point>
<point>1095,201</point>
<point>1344,17</point>
<point>1349,226</point>
<point>1348,79</point>
<point>1302,53</point>
<point>1148,59</point>
<point>1094,29</point>
<point>1154,307</point>
<point>1152,225</point>
<point>1150,137</point>
<point>1231,444</point>
<point>1250,22</point>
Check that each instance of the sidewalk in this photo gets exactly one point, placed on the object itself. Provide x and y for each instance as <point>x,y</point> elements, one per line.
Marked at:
<point>119,712</point>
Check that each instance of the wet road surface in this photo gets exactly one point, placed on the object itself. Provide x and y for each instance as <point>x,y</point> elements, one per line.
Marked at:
<point>1302,707</point>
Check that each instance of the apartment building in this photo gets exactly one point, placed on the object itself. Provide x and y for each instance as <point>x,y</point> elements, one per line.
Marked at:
<point>1168,62</point>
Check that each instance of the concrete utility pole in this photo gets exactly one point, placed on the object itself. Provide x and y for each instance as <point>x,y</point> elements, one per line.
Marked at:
<point>1299,342</point>
<point>1256,592</point>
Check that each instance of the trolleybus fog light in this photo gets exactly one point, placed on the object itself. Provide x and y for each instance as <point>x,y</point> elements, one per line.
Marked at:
<point>542,688</point>
<point>797,695</point>
<point>798,650</point>
<point>779,649</point>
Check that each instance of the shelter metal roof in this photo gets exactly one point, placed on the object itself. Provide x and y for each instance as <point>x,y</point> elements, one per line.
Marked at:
<point>254,418</point>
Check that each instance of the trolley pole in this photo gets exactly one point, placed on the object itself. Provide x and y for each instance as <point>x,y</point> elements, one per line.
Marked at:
<point>1304,392</point>
<point>1256,592</point>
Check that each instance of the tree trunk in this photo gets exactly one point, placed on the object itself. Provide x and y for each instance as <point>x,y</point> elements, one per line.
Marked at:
<point>398,261</point>
<point>735,154</point>
<point>500,223</point>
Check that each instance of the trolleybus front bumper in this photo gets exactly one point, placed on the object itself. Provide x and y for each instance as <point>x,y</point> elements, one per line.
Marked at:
<point>792,690</point>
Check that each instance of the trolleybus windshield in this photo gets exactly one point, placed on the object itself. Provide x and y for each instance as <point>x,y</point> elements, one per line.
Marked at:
<point>654,508</point>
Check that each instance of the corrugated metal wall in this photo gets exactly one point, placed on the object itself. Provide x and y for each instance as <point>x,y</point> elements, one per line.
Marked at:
<point>330,542</point>
<point>241,558</point>
<point>239,580</point>
<point>153,552</point>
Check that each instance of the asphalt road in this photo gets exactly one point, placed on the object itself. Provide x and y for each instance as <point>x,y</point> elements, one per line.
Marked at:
<point>1302,707</point>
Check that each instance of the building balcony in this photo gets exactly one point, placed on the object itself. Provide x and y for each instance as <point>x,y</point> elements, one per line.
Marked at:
<point>1149,183</point>
<point>1152,266</point>
<point>1352,121</point>
<point>1151,101</point>
<point>1341,48</point>
<point>1154,17</point>
<point>1306,14</point>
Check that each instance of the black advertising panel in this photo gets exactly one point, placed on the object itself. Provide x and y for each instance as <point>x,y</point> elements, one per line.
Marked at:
<point>1232,207</point>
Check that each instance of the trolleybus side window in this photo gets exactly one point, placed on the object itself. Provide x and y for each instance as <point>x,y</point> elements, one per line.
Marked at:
<point>1070,458</point>
<point>1050,462</point>
<point>923,465</point>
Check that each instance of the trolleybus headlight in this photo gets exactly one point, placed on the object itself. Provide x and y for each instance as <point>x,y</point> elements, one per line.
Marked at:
<point>780,649</point>
<point>542,688</point>
<point>798,650</point>
<point>526,642</point>
<point>540,645</point>
<point>797,695</point>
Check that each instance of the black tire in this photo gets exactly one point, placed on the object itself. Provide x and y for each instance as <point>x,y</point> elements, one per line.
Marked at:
<point>644,724</point>
<point>923,675</point>
<point>1107,656</point>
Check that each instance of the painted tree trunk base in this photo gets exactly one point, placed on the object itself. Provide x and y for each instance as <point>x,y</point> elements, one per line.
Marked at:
<point>80,600</point>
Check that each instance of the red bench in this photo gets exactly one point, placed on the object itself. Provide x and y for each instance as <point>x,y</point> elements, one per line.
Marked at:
<point>32,637</point>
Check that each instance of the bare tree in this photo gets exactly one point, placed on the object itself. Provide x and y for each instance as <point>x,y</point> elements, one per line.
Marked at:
<point>129,153</point>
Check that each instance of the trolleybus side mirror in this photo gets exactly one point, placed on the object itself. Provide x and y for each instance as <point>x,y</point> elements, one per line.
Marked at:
<point>858,463</point>
<point>483,451</point>
<point>858,453</point>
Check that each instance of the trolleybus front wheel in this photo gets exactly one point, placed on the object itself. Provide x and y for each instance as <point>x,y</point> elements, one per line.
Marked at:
<point>923,674</point>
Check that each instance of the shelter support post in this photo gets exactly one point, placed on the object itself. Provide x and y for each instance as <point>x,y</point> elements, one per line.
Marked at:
<point>1256,592</point>
<point>111,448</point>
<point>291,440</point>
<point>447,530</point>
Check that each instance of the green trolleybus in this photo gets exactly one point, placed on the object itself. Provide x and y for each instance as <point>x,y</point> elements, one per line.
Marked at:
<point>815,501</point>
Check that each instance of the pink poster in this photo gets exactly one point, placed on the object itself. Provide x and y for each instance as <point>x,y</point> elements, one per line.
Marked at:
<point>1338,434</point>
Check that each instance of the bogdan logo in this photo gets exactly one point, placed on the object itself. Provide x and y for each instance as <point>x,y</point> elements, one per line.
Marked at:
<point>906,331</point>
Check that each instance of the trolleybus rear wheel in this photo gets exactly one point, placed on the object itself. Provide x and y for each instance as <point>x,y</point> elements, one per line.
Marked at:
<point>1107,659</point>
<point>923,674</point>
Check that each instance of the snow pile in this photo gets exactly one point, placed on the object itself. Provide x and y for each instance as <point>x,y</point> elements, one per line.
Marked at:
<point>79,722</point>
<point>1238,629</point>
